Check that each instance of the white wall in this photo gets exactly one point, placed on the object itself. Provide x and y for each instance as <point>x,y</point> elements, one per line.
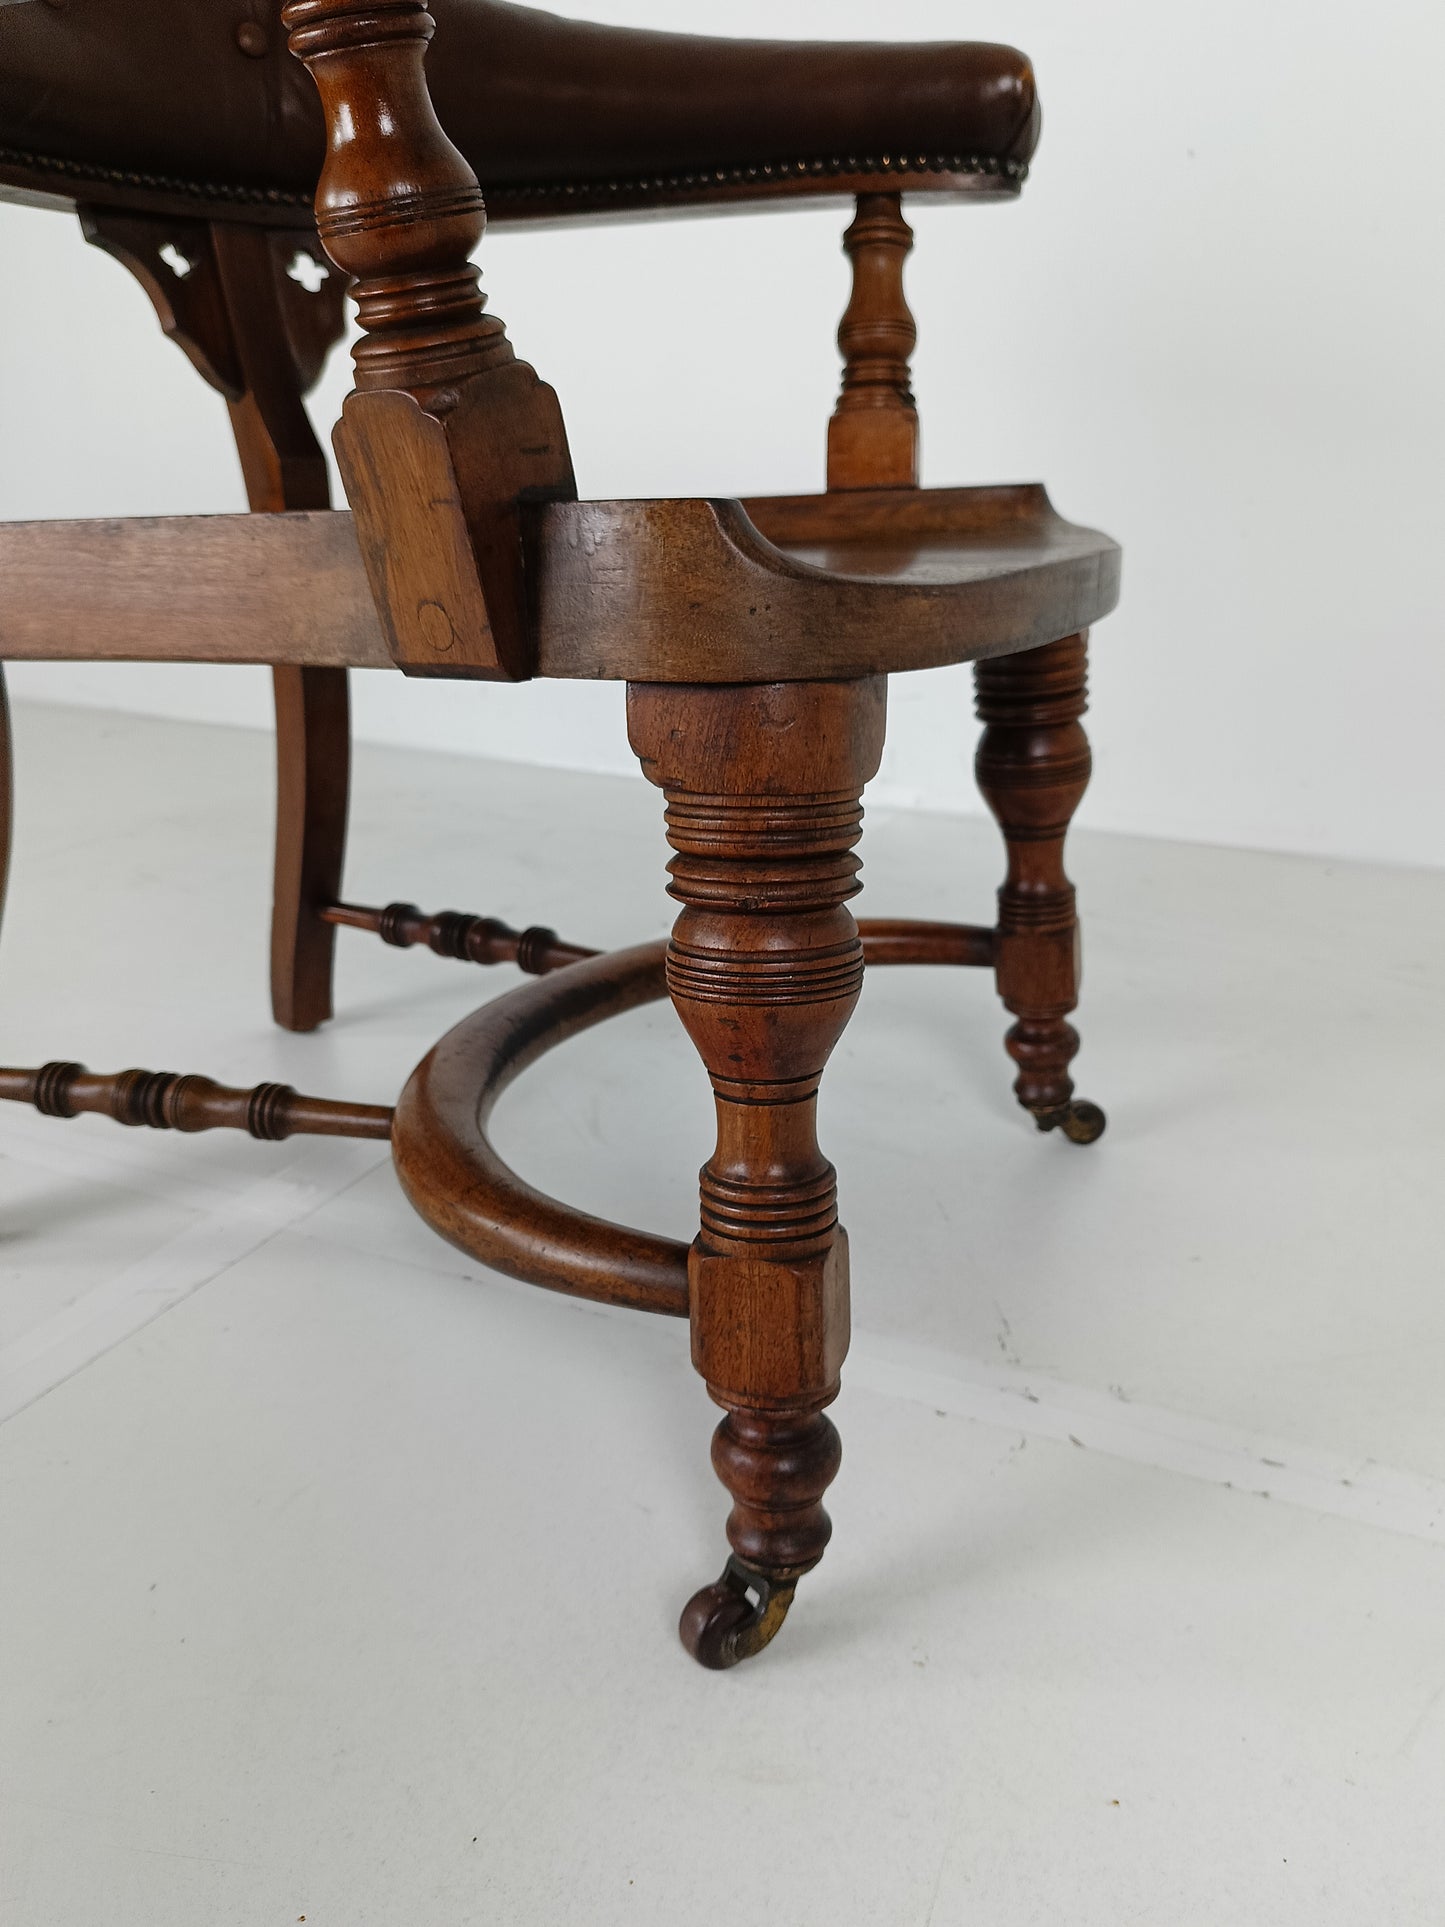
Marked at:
<point>1212,324</point>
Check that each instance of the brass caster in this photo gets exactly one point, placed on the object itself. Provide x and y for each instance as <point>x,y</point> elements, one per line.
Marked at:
<point>1081,1122</point>
<point>735,1618</point>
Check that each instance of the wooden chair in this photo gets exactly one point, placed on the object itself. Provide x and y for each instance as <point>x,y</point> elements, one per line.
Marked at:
<point>755,637</point>
<point>189,143</point>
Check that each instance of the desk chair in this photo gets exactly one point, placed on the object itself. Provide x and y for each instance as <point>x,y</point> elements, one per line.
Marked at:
<point>756,638</point>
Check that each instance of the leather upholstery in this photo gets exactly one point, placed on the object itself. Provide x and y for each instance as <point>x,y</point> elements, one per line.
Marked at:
<point>161,100</point>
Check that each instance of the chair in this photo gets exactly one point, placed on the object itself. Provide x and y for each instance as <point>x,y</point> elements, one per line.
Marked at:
<point>189,142</point>
<point>755,637</point>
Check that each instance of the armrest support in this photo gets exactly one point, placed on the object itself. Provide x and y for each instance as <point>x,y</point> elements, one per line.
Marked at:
<point>447,434</point>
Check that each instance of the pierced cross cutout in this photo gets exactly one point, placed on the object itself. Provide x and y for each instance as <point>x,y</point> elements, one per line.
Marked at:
<point>179,264</point>
<point>307,271</point>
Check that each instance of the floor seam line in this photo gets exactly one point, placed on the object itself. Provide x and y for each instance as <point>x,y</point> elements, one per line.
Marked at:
<point>74,1334</point>
<point>1012,1398</point>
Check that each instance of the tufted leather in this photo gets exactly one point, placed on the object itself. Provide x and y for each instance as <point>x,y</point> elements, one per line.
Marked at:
<point>176,101</point>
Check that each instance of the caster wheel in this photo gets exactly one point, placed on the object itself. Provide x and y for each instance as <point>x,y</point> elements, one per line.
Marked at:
<point>1080,1122</point>
<point>730,1621</point>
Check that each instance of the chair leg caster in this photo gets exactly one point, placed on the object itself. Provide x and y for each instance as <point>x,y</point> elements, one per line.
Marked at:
<point>736,1618</point>
<point>1080,1121</point>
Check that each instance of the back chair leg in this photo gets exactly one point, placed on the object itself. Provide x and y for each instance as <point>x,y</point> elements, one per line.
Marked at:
<point>763,789</point>
<point>257,312</point>
<point>284,468</point>
<point>1033,766</point>
<point>313,779</point>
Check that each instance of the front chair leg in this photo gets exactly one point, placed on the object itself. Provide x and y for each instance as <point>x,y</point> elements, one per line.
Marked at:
<point>763,789</point>
<point>1033,766</point>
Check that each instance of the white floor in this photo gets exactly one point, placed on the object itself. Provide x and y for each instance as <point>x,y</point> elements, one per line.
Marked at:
<point>338,1578</point>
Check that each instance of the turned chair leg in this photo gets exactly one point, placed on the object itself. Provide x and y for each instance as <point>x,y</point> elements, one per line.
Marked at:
<point>763,788</point>
<point>1033,766</point>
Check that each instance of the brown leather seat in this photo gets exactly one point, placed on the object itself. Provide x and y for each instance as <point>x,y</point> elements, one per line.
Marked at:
<point>197,103</point>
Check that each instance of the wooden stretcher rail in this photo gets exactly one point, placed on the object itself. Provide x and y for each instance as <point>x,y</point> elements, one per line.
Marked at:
<point>167,1102</point>
<point>189,588</point>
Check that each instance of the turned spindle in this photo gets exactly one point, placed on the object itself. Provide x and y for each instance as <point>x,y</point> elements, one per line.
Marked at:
<point>536,951</point>
<point>1033,766</point>
<point>873,436</point>
<point>162,1101</point>
<point>397,207</point>
<point>447,433</point>
<point>765,963</point>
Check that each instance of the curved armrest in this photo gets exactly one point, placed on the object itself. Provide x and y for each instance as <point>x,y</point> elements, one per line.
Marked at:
<point>192,106</point>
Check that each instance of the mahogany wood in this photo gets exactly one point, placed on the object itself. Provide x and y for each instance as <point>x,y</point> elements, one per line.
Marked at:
<point>464,1190</point>
<point>647,591</point>
<point>447,433</point>
<point>175,262</point>
<point>282,331</point>
<point>764,788</point>
<point>283,334</point>
<point>469,939</point>
<point>462,1187</point>
<point>873,436</point>
<point>804,589</point>
<point>257,313</point>
<point>313,781</point>
<point>1033,767</point>
<point>189,588</point>
<point>538,951</point>
<point>755,639</point>
<point>901,940</point>
<point>166,1102</point>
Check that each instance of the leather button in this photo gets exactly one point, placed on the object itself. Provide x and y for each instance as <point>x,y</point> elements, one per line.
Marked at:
<point>252,39</point>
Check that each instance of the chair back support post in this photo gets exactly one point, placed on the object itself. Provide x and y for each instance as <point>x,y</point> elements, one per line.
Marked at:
<point>447,435</point>
<point>873,436</point>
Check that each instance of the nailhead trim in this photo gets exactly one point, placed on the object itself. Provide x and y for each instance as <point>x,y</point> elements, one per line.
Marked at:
<point>761,174</point>
<point>161,183</point>
<point>766,173</point>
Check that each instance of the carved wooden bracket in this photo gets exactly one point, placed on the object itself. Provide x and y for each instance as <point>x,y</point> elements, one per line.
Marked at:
<point>195,272</point>
<point>447,434</point>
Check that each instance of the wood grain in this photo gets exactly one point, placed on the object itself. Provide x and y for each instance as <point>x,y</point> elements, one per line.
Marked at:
<point>164,1101</point>
<point>447,434</point>
<point>764,966</point>
<point>189,588</point>
<point>873,436</point>
<point>1033,766</point>
<point>466,1192</point>
<point>283,332</point>
<point>226,295</point>
<point>696,590</point>
<point>657,591</point>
